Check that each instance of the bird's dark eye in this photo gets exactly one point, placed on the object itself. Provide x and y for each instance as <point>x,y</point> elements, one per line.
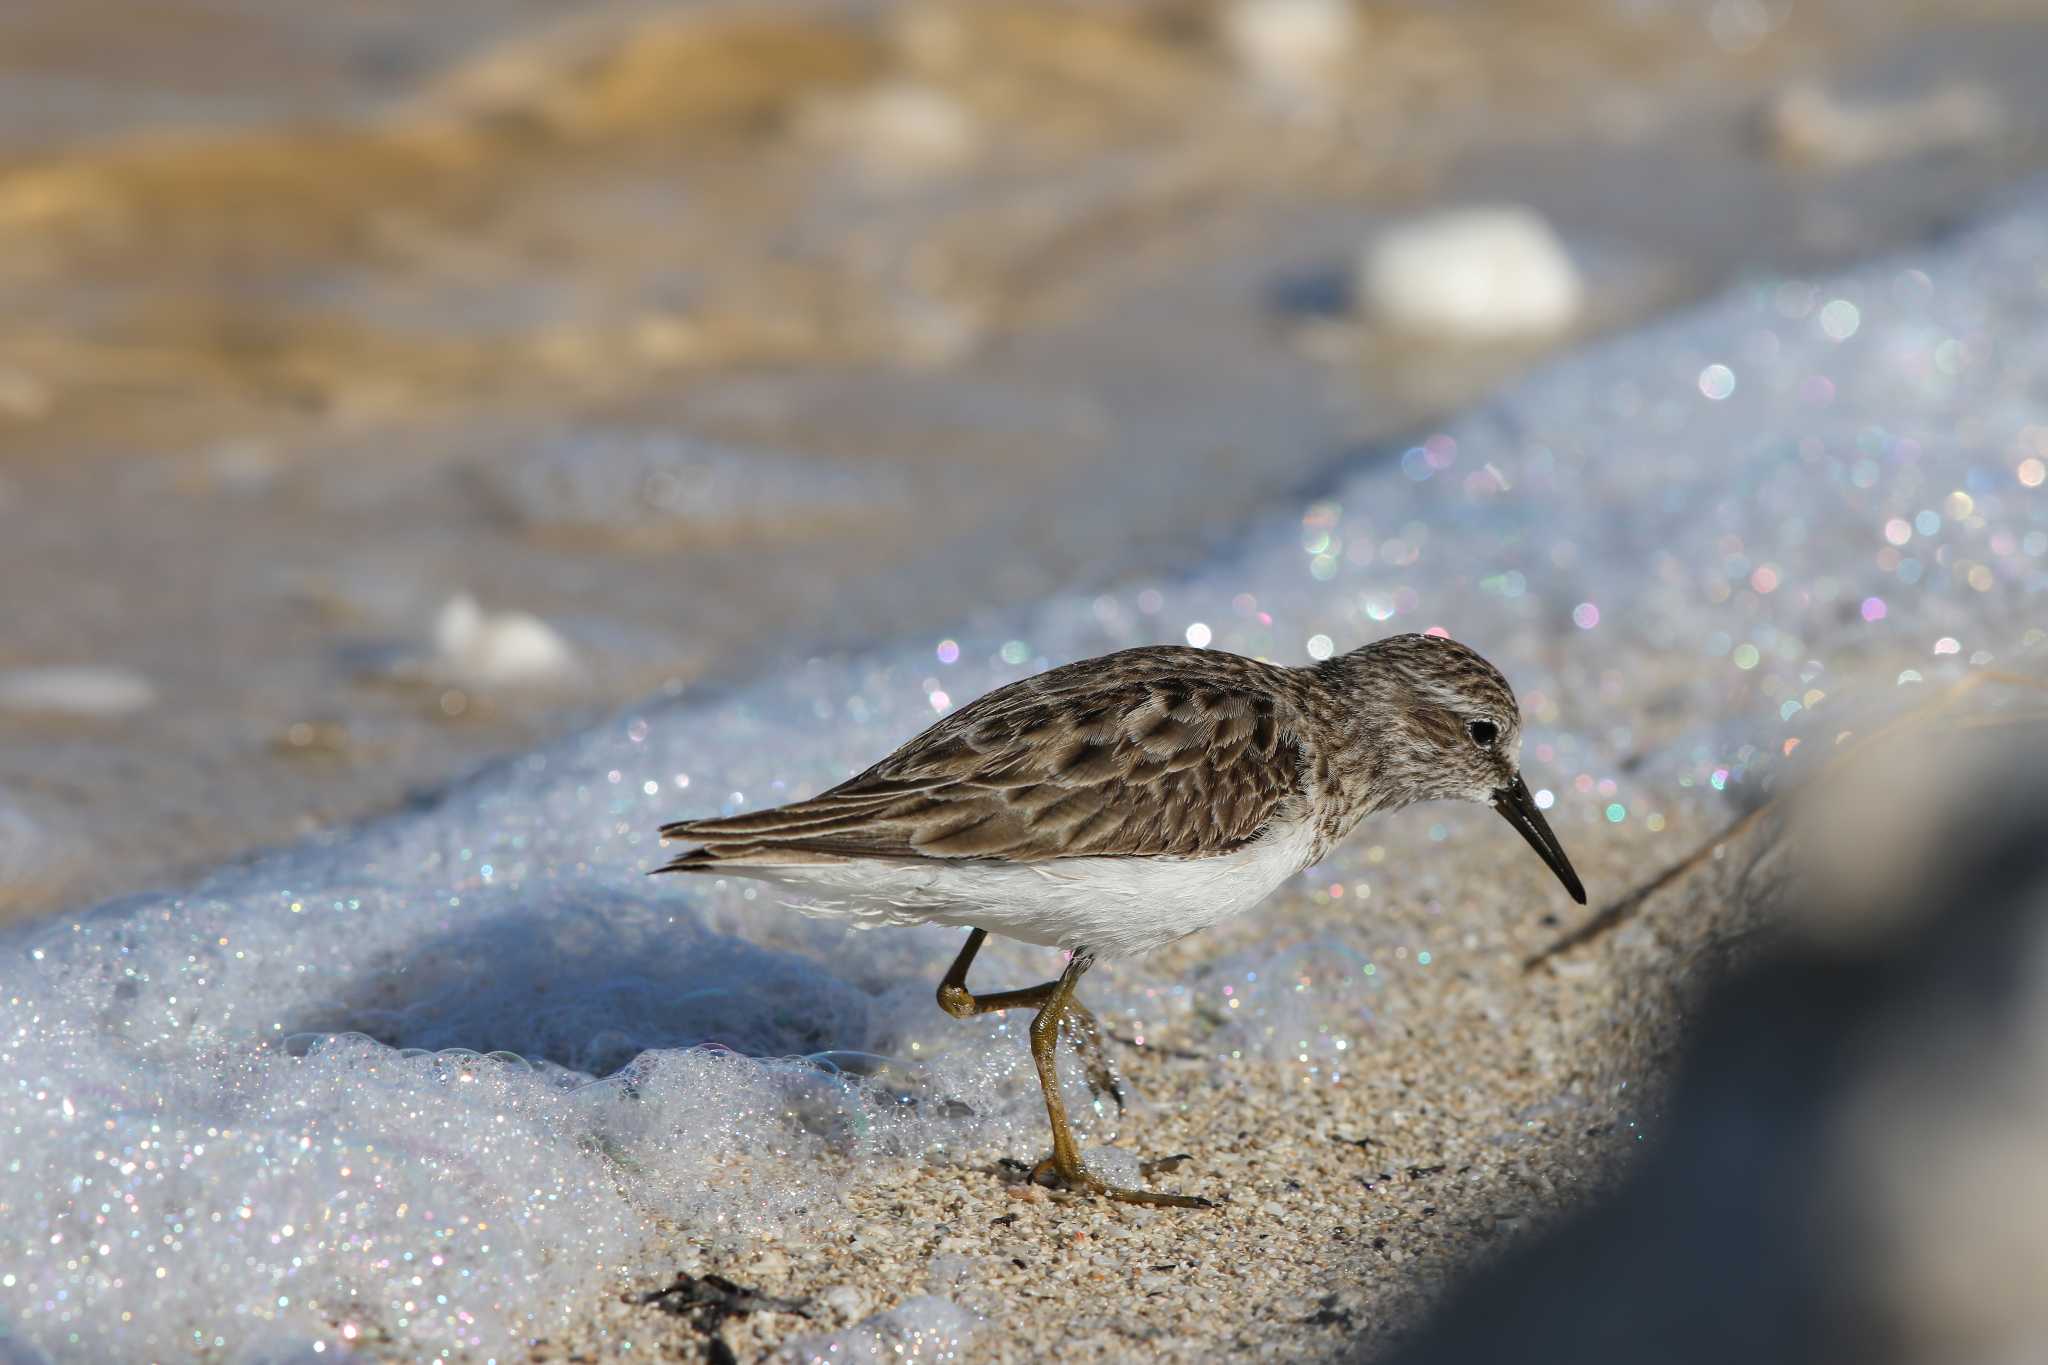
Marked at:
<point>1483,732</point>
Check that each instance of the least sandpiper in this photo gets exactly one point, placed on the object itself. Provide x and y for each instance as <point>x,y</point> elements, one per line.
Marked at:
<point>1116,804</point>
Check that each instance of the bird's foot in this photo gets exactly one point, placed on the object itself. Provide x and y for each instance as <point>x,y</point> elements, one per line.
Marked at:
<point>1080,1180</point>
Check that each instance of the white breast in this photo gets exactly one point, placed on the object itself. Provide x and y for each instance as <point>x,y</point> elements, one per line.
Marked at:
<point>1112,905</point>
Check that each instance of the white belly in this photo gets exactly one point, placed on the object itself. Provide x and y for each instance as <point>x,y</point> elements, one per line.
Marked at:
<point>1115,906</point>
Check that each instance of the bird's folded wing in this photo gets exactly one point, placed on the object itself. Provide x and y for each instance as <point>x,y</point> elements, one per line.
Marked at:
<point>1122,767</point>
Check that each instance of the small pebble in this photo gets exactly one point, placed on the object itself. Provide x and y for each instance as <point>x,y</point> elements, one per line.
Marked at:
<point>83,691</point>
<point>505,648</point>
<point>1476,275</point>
<point>1290,43</point>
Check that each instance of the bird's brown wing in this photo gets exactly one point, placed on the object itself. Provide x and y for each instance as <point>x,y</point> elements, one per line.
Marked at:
<point>1145,752</point>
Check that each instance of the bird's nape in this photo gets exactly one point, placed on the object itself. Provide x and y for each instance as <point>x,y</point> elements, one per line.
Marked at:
<point>1519,809</point>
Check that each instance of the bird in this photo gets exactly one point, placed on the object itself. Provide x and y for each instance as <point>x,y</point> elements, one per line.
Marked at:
<point>1110,806</point>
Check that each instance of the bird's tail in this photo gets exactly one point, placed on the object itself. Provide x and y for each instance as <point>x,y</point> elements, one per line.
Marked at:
<point>727,847</point>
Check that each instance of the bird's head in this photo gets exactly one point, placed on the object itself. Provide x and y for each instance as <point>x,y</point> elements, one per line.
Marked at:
<point>1444,725</point>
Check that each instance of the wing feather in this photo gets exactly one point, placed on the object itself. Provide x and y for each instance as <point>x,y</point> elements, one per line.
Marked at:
<point>1149,752</point>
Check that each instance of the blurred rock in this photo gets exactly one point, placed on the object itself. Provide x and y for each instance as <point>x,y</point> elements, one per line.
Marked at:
<point>503,648</point>
<point>1809,125</point>
<point>1476,275</point>
<point>1853,1165</point>
<point>897,128</point>
<point>99,693</point>
<point>1289,44</point>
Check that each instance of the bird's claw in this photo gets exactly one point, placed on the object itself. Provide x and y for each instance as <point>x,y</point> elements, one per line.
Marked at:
<point>1079,1180</point>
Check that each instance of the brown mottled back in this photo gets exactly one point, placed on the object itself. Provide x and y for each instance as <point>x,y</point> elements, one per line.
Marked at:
<point>1159,751</point>
<point>1153,751</point>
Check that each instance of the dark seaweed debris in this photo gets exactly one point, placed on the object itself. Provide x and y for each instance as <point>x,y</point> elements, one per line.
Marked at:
<point>707,1302</point>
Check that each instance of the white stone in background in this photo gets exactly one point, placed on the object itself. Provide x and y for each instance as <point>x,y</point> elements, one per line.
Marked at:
<point>1805,123</point>
<point>898,127</point>
<point>503,648</point>
<point>101,693</point>
<point>1289,43</point>
<point>1477,274</point>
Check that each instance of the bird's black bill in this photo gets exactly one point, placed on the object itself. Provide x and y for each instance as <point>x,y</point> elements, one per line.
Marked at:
<point>1519,809</point>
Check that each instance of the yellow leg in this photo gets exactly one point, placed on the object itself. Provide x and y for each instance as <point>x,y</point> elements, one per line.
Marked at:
<point>956,1000</point>
<point>1063,1168</point>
